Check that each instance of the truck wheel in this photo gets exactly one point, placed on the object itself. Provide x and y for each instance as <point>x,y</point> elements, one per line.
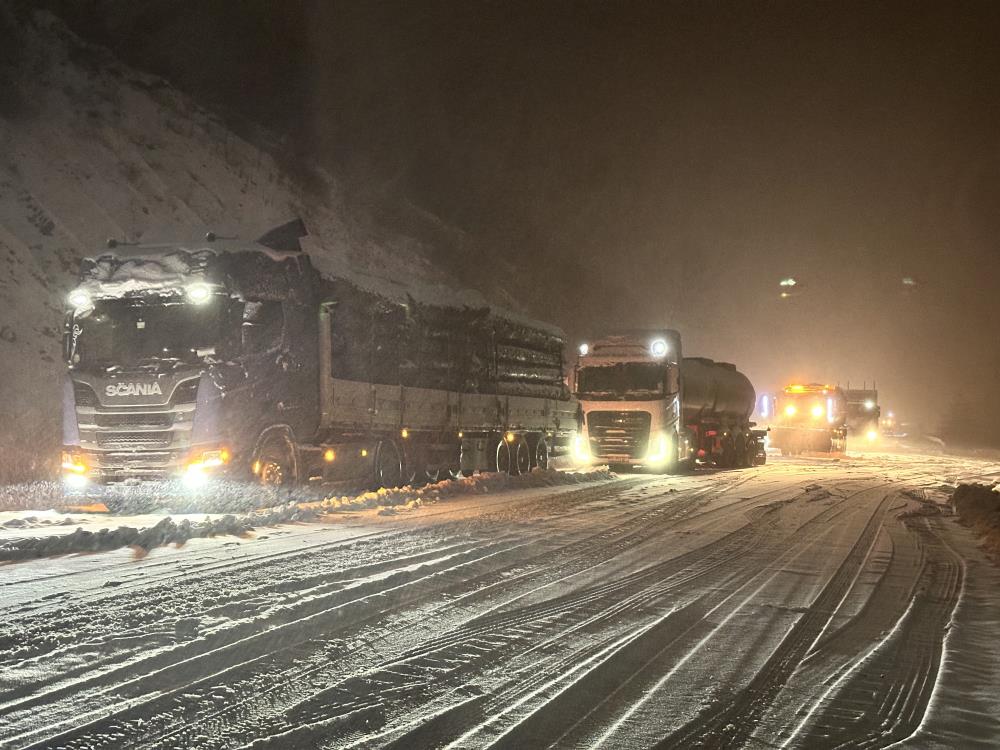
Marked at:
<point>541,454</point>
<point>520,456</point>
<point>501,460</point>
<point>277,460</point>
<point>387,466</point>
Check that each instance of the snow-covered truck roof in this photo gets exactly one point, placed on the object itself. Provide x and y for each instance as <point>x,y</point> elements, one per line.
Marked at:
<point>166,269</point>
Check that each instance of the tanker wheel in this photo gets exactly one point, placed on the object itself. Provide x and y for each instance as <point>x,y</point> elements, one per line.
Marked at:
<point>520,456</point>
<point>501,462</point>
<point>541,454</point>
<point>728,458</point>
<point>387,467</point>
<point>276,461</point>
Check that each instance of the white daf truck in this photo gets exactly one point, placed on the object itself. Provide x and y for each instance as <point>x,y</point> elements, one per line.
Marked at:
<point>646,405</point>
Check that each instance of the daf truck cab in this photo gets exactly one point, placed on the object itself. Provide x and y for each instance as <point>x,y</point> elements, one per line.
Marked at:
<point>645,405</point>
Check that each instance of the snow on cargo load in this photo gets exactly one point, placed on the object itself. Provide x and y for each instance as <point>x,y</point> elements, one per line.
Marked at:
<point>189,361</point>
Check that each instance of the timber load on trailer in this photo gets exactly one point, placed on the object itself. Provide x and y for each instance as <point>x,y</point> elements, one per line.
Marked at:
<point>223,357</point>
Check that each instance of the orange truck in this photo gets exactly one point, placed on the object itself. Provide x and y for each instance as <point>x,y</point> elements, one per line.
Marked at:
<point>809,419</point>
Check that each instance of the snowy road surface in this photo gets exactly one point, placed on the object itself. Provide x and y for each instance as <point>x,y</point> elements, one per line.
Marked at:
<point>801,604</point>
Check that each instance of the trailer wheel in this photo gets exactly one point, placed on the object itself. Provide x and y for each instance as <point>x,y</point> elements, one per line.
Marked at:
<point>541,454</point>
<point>520,456</point>
<point>501,460</point>
<point>387,466</point>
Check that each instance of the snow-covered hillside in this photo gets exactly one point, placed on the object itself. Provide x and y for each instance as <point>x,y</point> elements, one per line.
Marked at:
<point>91,149</point>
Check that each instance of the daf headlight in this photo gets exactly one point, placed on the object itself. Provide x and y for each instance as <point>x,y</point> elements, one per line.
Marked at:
<point>580,449</point>
<point>658,348</point>
<point>659,450</point>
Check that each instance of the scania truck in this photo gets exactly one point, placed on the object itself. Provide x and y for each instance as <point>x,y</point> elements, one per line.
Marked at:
<point>646,405</point>
<point>229,358</point>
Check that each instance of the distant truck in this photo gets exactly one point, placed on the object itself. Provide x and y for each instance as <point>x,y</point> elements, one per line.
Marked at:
<point>863,414</point>
<point>646,405</point>
<point>194,361</point>
<point>809,419</point>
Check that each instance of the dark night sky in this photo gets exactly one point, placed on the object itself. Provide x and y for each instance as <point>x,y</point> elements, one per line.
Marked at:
<point>691,153</point>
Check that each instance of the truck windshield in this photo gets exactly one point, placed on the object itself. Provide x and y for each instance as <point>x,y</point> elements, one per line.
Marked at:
<point>131,333</point>
<point>625,380</point>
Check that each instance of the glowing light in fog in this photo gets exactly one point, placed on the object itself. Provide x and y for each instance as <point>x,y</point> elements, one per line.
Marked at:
<point>584,350</point>
<point>79,299</point>
<point>198,293</point>
<point>763,406</point>
<point>817,411</point>
<point>872,436</point>
<point>790,410</point>
<point>829,410</point>
<point>788,282</point>
<point>658,348</point>
<point>869,405</point>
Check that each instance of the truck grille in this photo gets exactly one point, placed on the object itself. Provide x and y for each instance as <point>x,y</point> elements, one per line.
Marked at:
<point>618,434</point>
<point>135,440</point>
<point>149,420</point>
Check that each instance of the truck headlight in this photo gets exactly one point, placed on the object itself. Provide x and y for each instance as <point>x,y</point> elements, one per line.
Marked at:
<point>199,467</point>
<point>580,449</point>
<point>79,299</point>
<point>73,464</point>
<point>198,293</point>
<point>659,450</point>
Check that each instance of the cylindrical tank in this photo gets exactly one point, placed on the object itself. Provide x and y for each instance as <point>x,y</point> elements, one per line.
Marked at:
<point>715,389</point>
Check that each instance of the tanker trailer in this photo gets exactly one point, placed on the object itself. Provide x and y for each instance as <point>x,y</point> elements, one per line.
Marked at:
<point>810,419</point>
<point>646,405</point>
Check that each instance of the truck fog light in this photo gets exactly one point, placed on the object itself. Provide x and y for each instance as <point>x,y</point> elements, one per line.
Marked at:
<point>580,449</point>
<point>195,477</point>
<point>659,450</point>
<point>872,436</point>
<point>75,481</point>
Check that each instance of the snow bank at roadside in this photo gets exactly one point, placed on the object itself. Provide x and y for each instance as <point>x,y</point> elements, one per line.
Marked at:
<point>477,484</point>
<point>167,531</point>
<point>978,506</point>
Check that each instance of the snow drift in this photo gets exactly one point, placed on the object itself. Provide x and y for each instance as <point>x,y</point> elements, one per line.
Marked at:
<point>978,506</point>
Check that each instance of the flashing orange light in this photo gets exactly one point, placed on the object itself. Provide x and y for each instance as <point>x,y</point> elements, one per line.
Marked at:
<point>329,455</point>
<point>73,464</point>
<point>256,467</point>
<point>404,433</point>
<point>509,437</point>
<point>364,452</point>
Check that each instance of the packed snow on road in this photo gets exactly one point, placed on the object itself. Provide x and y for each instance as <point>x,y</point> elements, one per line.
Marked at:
<point>834,603</point>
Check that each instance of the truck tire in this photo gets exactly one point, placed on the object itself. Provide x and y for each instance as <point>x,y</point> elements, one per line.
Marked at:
<point>541,454</point>
<point>387,467</point>
<point>277,459</point>
<point>520,456</point>
<point>501,460</point>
